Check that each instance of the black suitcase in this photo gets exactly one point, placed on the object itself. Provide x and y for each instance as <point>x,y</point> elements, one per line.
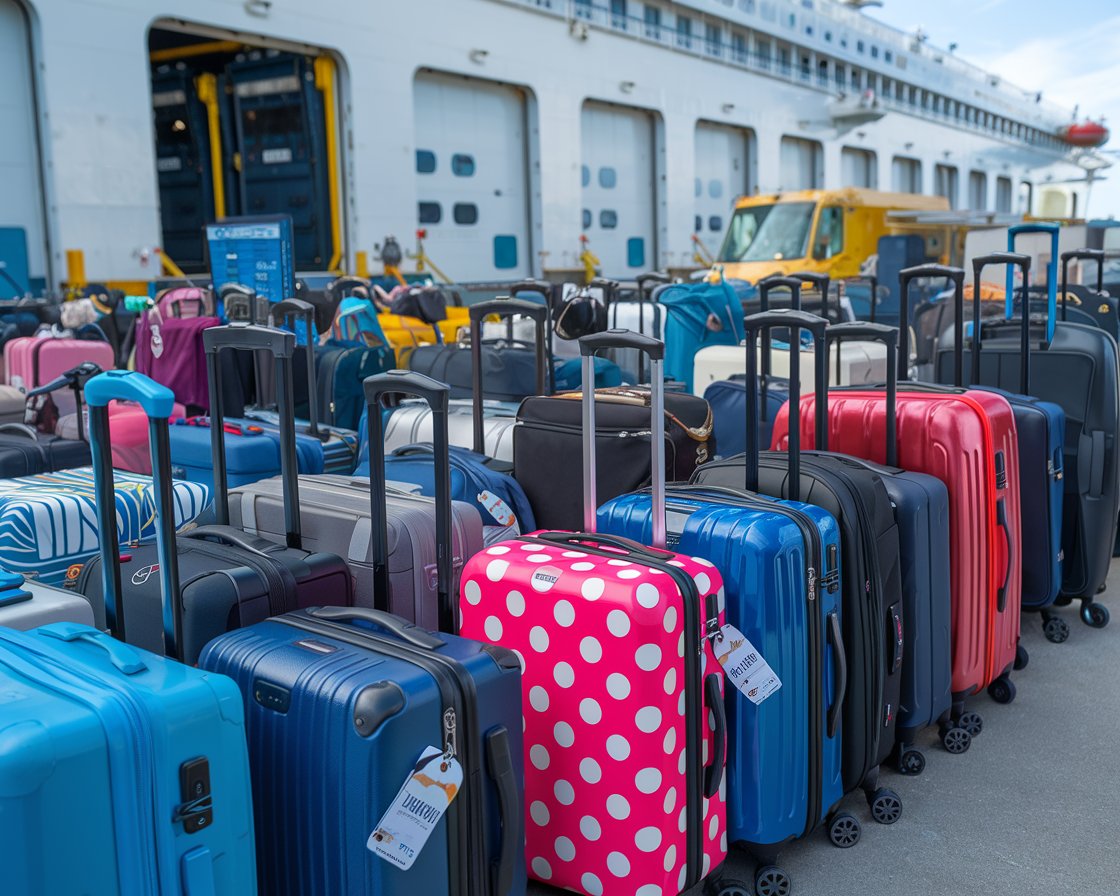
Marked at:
<point>509,368</point>
<point>872,613</point>
<point>26,452</point>
<point>229,578</point>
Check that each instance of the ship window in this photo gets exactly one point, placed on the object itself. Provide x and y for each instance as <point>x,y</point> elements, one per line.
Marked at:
<point>465,213</point>
<point>462,165</point>
<point>714,39</point>
<point>430,213</point>
<point>636,252</point>
<point>715,223</point>
<point>792,22</point>
<point>608,219</point>
<point>859,46</point>
<point>874,52</point>
<point>1003,194</point>
<point>585,175</point>
<point>608,178</point>
<point>977,190</point>
<point>698,224</point>
<point>425,161</point>
<point>715,189</point>
<point>505,252</point>
<point>739,47</point>
<point>828,36</point>
<point>583,9</point>
<point>945,183</point>
<point>684,31</point>
<point>888,56</point>
<point>587,219</point>
<point>809,30</point>
<point>699,187</point>
<point>844,42</point>
<point>830,233</point>
<point>746,5</point>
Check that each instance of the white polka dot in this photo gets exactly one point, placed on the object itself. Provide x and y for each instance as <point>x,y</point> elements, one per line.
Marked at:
<point>670,620</point>
<point>495,569</point>
<point>564,613</point>
<point>592,589</point>
<point>618,623</point>
<point>618,747</point>
<point>538,698</point>
<point>539,813</point>
<point>713,827</point>
<point>564,734</point>
<point>670,858</point>
<point>648,839</point>
<point>618,864</point>
<point>564,674</point>
<point>648,780</point>
<point>493,628</point>
<point>591,884</point>
<point>532,547</point>
<point>682,820</point>
<point>498,550</point>
<point>573,554</point>
<point>590,650</point>
<point>538,755</point>
<point>538,639</point>
<point>703,582</point>
<point>681,878</point>
<point>520,658</point>
<point>590,828</point>
<point>670,800</point>
<point>619,563</point>
<point>703,562</point>
<point>682,761</point>
<point>647,595</point>
<point>618,686</point>
<point>648,657</point>
<point>670,680</point>
<point>515,603</point>
<point>565,849</point>
<point>649,890</point>
<point>617,807</point>
<point>538,558</point>
<point>472,592</point>
<point>590,771</point>
<point>590,711</point>
<point>706,865</point>
<point>670,743</point>
<point>541,869</point>
<point>648,719</point>
<point>564,792</point>
<point>680,704</point>
<point>582,567</point>
<point>723,842</point>
<point>676,563</point>
<point>680,646</point>
<point>630,574</point>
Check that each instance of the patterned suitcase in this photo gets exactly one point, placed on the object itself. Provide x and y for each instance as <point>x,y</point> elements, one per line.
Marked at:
<point>625,779</point>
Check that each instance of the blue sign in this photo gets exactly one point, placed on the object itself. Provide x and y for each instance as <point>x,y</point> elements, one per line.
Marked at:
<point>254,252</point>
<point>14,282</point>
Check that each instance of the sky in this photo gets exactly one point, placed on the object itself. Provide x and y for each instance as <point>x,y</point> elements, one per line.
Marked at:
<point>1069,49</point>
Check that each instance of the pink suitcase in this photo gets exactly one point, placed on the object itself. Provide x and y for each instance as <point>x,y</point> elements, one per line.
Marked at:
<point>623,708</point>
<point>31,361</point>
<point>128,426</point>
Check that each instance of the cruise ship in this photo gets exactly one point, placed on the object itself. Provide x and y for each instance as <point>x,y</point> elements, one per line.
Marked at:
<point>517,135</point>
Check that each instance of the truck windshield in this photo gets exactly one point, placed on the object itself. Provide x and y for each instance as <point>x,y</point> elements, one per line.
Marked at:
<point>768,232</point>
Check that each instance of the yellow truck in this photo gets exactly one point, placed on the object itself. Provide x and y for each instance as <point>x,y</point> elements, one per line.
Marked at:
<point>825,231</point>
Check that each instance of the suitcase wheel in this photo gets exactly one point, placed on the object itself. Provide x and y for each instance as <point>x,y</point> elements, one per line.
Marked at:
<point>1094,614</point>
<point>955,740</point>
<point>844,830</point>
<point>1002,690</point>
<point>886,805</point>
<point>912,762</point>
<point>971,722</point>
<point>1056,631</point>
<point>768,881</point>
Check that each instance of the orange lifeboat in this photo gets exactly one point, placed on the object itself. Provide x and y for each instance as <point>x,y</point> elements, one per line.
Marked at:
<point>1087,134</point>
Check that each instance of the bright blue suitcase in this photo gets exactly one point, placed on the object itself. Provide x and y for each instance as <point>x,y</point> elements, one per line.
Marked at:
<point>252,451</point>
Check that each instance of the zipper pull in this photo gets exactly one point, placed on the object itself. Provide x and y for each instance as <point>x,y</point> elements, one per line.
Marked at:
<point>450,733</point>
<point>812,577</point>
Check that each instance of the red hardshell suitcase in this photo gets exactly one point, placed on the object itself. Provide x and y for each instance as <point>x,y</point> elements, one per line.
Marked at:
<point>967,439</point>
<point>624,718</point>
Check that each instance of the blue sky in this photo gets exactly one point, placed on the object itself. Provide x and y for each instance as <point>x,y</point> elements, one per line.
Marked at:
<point>1068,49</point>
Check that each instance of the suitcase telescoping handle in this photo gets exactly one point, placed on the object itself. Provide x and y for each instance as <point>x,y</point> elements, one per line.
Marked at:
<point>506,308</point>
<point>549,292</point>
<point>437,395</point>
<point>765,286</point>
<point>654,349</point>
<point>930,272</point>
<point>823,283</point>
<point>1096,255</point>
<point>1012,260</point>
<point>297,309</point>
<point>648,282</point>
<point>796,321</point>
<point>1052,230</point>
<point>889,337</point>
<point>281,345</point>
<point>157,402</point>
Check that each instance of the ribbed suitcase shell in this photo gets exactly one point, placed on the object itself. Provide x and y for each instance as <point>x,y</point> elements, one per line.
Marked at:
<point>604,653</point>
<point>324,772</point>
<point>94,734</point>
<point>953,435</point>
<point>412,422</point>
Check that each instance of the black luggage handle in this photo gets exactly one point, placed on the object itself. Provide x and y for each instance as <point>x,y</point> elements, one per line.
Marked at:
<point>873,282</point>
<point>28,432</point>
<point>889,337</point>
<point>1096,255</point>
<point>401,628</point>
<point>822,282</point>
<point>713,700</point>
<point>652,279</point>
<point>930,272</point>
<point>765,286</point>
<point>840,667</point>
<point>1001,521</point>
<point>796,321</point>
<point>228,535</point>
<point>654,349</point>
<point>607,286</point>
<point>297,308</point>
<point>978,264</point>
<point>281,344</point>
<point>499,762</point>
<point>406,382</point>
<point>158,403</point>
<point>507,308</point>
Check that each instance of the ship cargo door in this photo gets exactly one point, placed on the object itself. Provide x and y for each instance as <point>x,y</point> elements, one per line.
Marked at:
<point>472,176</point>
<point>723,157</point>
<point>23,239</point>
<point>618,193</point>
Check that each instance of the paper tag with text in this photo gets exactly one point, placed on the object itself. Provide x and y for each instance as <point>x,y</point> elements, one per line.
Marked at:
<point>417,808</point>
<point>743,665</point>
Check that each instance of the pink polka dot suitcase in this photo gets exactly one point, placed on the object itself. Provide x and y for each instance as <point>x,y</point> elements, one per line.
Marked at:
<point>624,724</point>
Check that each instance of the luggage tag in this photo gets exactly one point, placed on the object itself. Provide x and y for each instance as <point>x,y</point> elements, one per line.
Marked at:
<point>744,665</point>
<point>155,320</point>
<point>417,808</point>
<point>497,508</point>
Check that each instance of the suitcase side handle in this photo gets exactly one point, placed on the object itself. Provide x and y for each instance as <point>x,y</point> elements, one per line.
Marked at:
<point>889,337</point>
<point>628,547</point>
<point>840,665</point>
<point>1001,521</point>
<point>713,700</point>
<point>499,761</point>
<point>930,272</point>
<point>123,657</point>
<point>401,628</point>
<point>297,309</point>
<point>1096,255</point>
<point>1012,260</point>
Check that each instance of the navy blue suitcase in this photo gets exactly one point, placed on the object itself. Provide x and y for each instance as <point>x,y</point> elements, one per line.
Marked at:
<point>341,704</point>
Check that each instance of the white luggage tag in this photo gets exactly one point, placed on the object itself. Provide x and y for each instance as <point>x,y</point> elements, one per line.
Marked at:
<point>155,321</point>
<point>744,665</point>
<point>497,508</point>
<point>417,808</point>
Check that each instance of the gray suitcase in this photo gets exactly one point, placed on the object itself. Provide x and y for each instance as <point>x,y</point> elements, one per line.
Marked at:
<point>26,604</point>
<point>335,516</point>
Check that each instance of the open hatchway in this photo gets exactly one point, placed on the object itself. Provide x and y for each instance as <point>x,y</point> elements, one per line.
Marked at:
<point>245,129</point>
